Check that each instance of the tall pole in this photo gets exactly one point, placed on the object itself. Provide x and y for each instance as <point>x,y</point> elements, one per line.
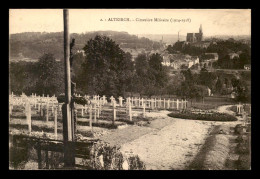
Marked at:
<point>67,117</point>
<point>69,157</point>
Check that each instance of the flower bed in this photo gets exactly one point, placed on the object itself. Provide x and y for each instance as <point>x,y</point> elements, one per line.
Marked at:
<point>98,124</point>
<point>206,117</point>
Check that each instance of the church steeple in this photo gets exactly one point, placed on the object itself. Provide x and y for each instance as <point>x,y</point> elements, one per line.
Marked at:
<point>200,30</point>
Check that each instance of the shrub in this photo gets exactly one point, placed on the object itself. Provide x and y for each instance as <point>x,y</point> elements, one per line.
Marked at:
<point>242,139</point>
<point>98,124</point>
<point>18,157</point>
<point>206,117</point>
<point>242,148</point>
<point>239,129</point>
<point>244,162</point>
<point>126,121</point>
<point>106,157</point>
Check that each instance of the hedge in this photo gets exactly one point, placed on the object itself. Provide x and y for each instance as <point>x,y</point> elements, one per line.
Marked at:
<point>205,117</point>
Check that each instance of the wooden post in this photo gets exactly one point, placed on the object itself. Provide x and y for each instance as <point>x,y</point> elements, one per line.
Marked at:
<point>82,112</point>
<point>28,116</point>
<point>67,75</point>
<point>55,123</point>
<point>90,117</point>
<point>41,109</point>
<point>164,103</point>
<point>68,135</point>
<point>130,112</point>
<point>168,104</point>
<point>39,155</point>
<point>52,110</point>
<point>35,101</point>
<point>144,110</point>
<point>98,109</point>
<point>177,103</point>
<point>114,113</point>
<point>47,111</point>
<point>152,103</point>
<point>47,159</point>
<point>95,113</point>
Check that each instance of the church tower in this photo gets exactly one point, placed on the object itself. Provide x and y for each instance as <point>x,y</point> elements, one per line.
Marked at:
<point>201,33</point>
<point>200,30</point>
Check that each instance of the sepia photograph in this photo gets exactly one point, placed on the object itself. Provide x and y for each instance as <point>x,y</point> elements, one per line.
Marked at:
<point>129,89</point>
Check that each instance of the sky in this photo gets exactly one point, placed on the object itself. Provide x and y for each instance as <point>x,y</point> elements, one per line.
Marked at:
<point>214,21</point>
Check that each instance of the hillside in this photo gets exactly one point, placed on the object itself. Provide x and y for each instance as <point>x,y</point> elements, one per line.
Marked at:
<point>33,44</point>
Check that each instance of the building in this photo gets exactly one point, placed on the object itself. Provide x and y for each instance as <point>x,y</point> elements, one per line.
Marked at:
<point>195,37</point>
<point>215,56</point>
<point>178,60</point>
<point>204,44</point>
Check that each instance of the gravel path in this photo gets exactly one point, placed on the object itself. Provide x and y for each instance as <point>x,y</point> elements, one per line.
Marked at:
<point>172,147</point>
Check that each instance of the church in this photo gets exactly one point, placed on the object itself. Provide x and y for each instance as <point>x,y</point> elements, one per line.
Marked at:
<point>195,37</point>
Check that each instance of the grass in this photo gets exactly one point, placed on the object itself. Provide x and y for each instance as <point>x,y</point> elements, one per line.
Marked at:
<point>205,117</point>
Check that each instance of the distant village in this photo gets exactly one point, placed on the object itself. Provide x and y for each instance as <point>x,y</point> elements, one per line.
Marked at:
<point>183,61</point>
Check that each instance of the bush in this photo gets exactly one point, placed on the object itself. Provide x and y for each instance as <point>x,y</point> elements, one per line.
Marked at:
<point>205,117</point>
<point>98,124</point>
<point>242,148</point>
<point>18,157</point>
<point>242,139</point>
<point>244,162</point>
<point>239,129</point>
<point>106,157</point>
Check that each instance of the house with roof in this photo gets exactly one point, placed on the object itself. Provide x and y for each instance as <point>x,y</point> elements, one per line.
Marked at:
<point>213,54</point>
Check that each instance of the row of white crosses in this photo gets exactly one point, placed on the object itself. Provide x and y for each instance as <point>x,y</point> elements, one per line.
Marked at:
<point>131,102</point>
<point>29,121</point>
<point>139,102</point>
<point>157,103</point>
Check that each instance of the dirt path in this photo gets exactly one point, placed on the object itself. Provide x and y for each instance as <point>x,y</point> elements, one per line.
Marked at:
<point>174,145</point>
<point>171,147</point>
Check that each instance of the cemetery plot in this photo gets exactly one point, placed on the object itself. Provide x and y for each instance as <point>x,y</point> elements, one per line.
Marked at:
<point>140,126</point>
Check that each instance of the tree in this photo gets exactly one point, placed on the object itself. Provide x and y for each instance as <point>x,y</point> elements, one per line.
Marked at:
<point>158,73</point>
<point>207,78</point>
<point>50,76</point>
<point>107,69</point>
<point>142,80</point>
<point>241,89</point>
<point>219,85</point>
